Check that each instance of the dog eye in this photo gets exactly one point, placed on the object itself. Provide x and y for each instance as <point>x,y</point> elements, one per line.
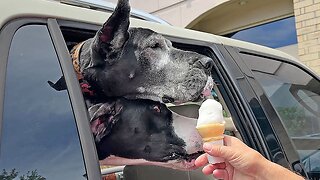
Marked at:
<point>156,108</point>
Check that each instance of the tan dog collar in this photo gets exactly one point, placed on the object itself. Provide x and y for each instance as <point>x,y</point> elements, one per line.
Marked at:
<point>85,86</point>
<point>75,53</point>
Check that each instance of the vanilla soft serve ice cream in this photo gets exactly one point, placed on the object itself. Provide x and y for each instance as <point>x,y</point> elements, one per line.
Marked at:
<point>211,125</point>
<point>210,112</point>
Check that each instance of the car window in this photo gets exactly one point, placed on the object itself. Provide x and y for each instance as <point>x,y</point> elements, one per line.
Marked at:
<point>77,33</point>
<point>39,135</point>
<point>272,30</point>
<point>295,95</point>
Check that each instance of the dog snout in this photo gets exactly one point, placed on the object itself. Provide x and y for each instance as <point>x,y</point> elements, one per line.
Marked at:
<point>206,62</point>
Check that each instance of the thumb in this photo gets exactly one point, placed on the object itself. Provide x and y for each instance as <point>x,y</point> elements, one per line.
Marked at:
<point>219,151</point>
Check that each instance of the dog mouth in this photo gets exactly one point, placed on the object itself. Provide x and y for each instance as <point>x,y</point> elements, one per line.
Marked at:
<point>183,157</point>
<point>179,164</point>
<point>193,156</point>
<point>207,88</point>
<point>206,91</point>
<point>183,162</point>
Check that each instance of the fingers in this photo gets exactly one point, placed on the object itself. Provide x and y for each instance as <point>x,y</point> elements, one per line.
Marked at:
<point>214,150</point>
<point>226,152</point>
<point>221,174</point>
<point>233,141</point>
<point>201,160</point>
<point>227,140</point>
<point>210,168</point>
<point>218,170</point>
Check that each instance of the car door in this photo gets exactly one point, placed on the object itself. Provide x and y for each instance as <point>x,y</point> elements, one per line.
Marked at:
<point>289,94</point>
<point>43,132</point>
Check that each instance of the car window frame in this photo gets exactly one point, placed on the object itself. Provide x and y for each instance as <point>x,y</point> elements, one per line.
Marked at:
<point>287,146</point>
<point>75,95</point>
<point>232,75</point>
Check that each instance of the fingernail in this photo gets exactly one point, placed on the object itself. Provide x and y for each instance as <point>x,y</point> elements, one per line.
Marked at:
<point>206,147</point>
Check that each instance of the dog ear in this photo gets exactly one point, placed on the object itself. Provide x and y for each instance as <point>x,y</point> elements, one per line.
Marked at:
<point>110,39</point>
<point>59,85</point>
<point>93,109</point>
<point>101,109</point>
<point>108,113</point>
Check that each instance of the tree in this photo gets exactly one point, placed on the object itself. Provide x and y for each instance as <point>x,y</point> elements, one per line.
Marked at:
<point>33,175</point>
<point>8,175</point>
<point>294,119</point>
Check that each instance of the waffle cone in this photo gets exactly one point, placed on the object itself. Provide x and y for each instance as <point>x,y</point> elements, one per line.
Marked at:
<point>211,132</point>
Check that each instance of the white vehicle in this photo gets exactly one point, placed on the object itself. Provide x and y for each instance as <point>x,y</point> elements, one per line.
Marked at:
<point>271,100</point>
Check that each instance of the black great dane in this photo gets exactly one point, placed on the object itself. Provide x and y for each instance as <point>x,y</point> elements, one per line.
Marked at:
<point>129,73</point>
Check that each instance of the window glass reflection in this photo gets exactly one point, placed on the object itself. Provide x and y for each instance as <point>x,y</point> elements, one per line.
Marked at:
<point>39,132</point>
<point>275,34</point>
<point>295,95</point>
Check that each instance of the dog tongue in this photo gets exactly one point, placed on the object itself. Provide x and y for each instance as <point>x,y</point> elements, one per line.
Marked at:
<point>206,92</point>
<point>208,87</point>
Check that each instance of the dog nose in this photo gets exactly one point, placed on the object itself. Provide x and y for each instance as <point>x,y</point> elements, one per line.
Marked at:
<point>206,62</point>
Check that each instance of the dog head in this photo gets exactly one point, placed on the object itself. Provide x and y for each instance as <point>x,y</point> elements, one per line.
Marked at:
<point>140,63</point>
<point>130,132</point>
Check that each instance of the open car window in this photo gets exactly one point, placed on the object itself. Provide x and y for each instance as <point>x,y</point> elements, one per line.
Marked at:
<point>74,34</point>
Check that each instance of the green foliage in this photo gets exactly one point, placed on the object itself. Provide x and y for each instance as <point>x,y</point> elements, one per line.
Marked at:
<point>294,119</point>
<point>33,175</point>
<point>8,175</point>
<point>225,114</point>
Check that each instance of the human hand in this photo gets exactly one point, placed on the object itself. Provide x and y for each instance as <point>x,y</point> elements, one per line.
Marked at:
<point>241,163</point>
<point>240,160</point>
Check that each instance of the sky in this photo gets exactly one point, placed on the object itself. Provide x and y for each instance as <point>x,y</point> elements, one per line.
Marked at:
<point>275,34</point>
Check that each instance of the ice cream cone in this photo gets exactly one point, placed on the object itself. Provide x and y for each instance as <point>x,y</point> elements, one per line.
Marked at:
<point>211,125</point>
<point>213,134</point>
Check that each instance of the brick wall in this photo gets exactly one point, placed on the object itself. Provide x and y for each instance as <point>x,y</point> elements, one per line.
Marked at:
<point>307,14</point>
